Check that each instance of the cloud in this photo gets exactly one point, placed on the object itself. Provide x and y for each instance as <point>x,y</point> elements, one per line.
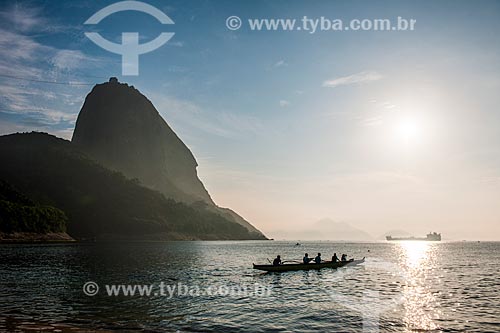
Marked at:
<point>22,55</point>
<point>280,63</point>
<point>277,64</point>
<point>8,127</point>
<point>34,103</point>
<point>362,77</point>
<point>22,18</point>
<point>27,67</point>
<point>190,117</point>
<point>388,105</point>
<point>176,43</point>
<point>284,103</point>
<point>28,18</point>
<point>373,121</point>
<point>71,59</point>
<point>17,47</point>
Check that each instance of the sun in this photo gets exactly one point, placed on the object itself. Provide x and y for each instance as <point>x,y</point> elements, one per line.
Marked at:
<point>408,130</point>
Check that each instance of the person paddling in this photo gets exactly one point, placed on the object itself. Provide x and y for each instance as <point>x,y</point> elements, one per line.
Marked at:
<point>318,258</point>
<point>306,259</point>
<point>335,258</point>
<point>344,257</point>
<point>277,261</point>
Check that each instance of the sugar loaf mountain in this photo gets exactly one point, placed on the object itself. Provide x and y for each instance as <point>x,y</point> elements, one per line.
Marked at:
<point>124,175</point>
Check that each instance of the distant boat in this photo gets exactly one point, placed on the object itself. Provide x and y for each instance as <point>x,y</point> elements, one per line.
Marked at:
<point>431,237</point>
<point>300,267</point>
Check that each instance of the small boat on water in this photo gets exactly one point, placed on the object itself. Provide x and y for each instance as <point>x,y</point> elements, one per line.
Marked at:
<point>431,237</point>
<point>300,267</point>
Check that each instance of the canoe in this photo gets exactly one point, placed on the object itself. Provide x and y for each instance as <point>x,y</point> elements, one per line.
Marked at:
<point>300,267</point>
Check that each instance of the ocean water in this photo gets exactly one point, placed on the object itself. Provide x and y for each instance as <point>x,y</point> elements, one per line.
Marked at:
<point>402,287</point>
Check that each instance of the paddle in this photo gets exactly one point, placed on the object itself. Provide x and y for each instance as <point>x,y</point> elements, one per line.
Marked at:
<point>284,261</point>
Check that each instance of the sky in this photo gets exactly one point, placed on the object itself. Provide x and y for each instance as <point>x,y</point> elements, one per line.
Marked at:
<point>382,130</point>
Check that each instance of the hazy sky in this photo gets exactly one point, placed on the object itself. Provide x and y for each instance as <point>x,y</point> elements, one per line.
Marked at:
<point>382,130</point>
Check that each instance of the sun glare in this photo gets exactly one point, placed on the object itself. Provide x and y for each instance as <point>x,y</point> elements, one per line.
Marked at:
<point>414,252</point>
<point>409,130</point>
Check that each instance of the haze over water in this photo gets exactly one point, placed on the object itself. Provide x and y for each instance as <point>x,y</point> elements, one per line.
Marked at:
<point>416,286</point>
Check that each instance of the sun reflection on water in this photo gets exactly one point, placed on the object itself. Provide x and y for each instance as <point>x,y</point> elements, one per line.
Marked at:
<point>414,252</point>
<point>418,259</point>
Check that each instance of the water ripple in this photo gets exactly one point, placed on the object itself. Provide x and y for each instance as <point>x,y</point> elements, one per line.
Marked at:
<point>415,287</point>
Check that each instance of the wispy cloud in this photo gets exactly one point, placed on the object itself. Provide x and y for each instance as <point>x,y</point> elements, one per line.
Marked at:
<point>284,103</point>
<point>36,105</point>
<point>176,43</point>
<point>10,124</point>
<point>22,55</point>
<point>21,17</point>
<point>24,60</point>
<point>377,113</point>
<point>358,78</point>
<point>189,116</point>
<point>373,121</point>
<point>280,63</point>
<point>17,47</point>
<point>28,18</point>
<point>72,59</point>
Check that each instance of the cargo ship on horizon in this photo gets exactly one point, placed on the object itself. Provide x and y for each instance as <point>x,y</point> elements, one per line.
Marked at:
<point>431,237</point>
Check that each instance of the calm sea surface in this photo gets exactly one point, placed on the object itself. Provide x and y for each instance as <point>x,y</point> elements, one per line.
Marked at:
<point>402,287</point>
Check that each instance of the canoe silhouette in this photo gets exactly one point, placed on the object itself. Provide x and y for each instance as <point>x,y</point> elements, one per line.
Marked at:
<point>299,267</point>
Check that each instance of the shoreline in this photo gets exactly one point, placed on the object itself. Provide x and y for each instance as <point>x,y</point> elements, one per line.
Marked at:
<point>35,238</point>
<point>64,238</point>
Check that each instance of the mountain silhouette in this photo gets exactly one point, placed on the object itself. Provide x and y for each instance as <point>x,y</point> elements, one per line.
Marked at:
<point>100,203</point>
<point>125,175</point>
<point>121,129</point>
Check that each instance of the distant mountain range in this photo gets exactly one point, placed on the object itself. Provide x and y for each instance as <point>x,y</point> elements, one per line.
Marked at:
<point>327,229</point>
<point>125,174</point>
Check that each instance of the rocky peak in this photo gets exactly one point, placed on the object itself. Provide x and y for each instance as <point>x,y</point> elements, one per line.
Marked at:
<point>120,127</point>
